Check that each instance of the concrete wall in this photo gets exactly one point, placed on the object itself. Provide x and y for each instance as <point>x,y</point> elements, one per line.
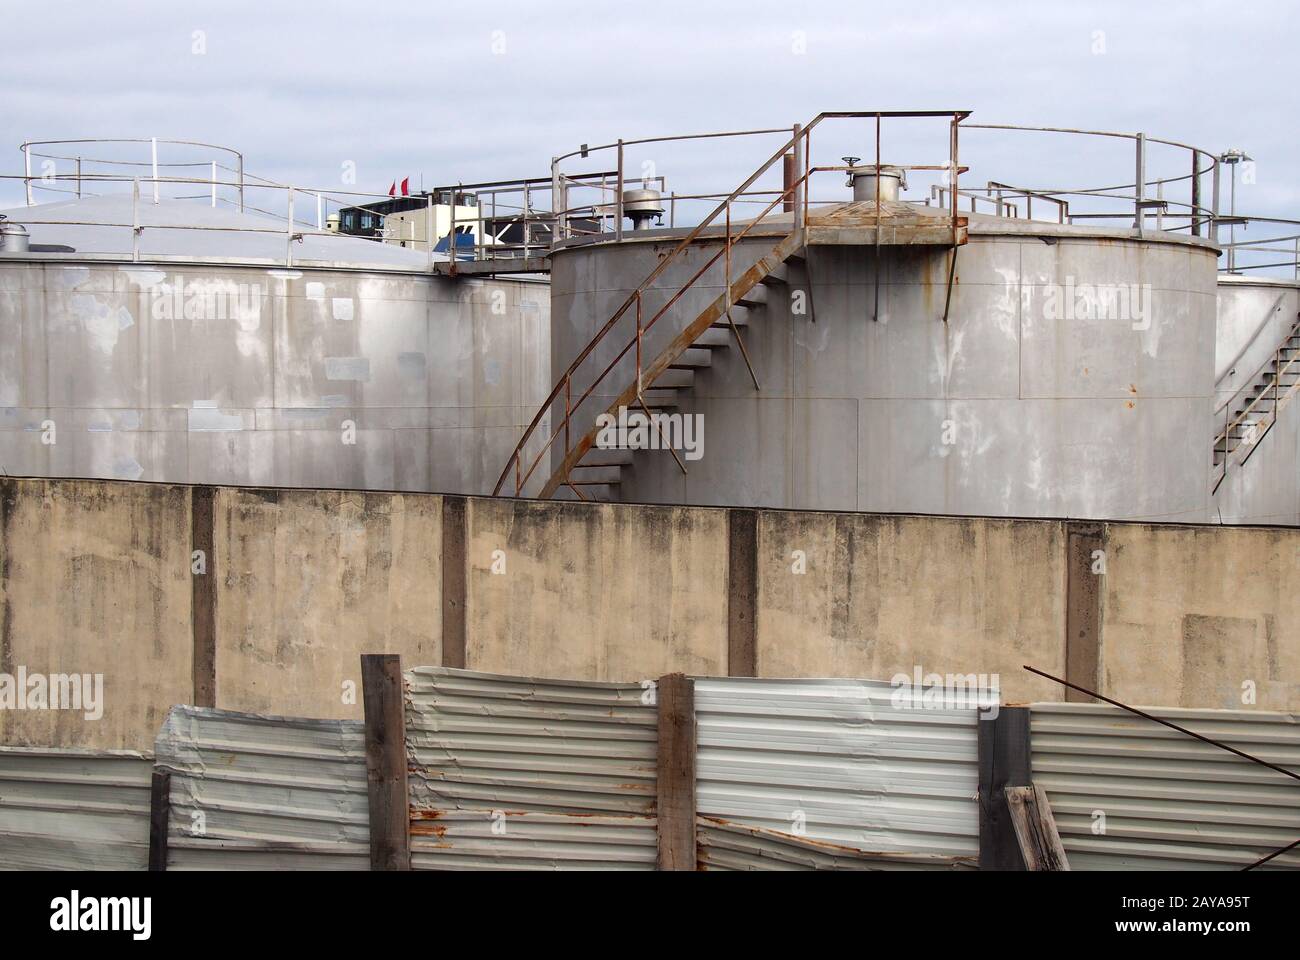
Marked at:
<point>96,577</point>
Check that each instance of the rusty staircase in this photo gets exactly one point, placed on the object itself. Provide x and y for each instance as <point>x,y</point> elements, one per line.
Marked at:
<point>1250,414</point>
<point>589,472</point>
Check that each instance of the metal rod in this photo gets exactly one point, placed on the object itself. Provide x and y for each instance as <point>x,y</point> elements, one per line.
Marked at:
<point>27,172</point>
<point>214,184</point>
<point>875,314</point>
<point>428,226</point>
<point>618,200</point>
<point>1196,195</point>
<point>79,177</point>
<point>1139,191</point>
<point>288,246</point>
<point>1167,723</point>
<point>1275,853</point>
<point>800,160</point>
<point>153,141</point>
<point>135,219</point>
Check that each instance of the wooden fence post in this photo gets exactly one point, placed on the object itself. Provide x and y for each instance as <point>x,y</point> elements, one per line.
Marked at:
<point>675,697</point>
<point>160,806</point>
<point>1003,762</point>
<point>390,818</point>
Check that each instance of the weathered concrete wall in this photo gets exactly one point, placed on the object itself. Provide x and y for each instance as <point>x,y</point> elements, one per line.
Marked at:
<point>95,578</point>
<point>884,595</point>
<point>596,592</point>
<point>1191,614</point>
<point>307,581</point>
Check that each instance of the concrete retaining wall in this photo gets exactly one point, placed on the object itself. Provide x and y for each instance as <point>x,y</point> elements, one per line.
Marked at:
<point>95,577</point>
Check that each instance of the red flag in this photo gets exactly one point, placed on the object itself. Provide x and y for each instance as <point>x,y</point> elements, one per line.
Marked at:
<point>406,187</point>
<point>392,191</point>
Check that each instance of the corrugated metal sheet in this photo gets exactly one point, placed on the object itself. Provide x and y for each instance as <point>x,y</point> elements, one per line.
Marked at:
<point>480,840</point>
<point>480,741</point>
<point>273,792</point>
<point>519,773</point>
<point>1169,801</point>
<point>74,809</point>
<point>732,846</point>
<point>839,760</point>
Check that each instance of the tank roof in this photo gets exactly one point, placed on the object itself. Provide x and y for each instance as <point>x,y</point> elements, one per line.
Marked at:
<point>189,229</point>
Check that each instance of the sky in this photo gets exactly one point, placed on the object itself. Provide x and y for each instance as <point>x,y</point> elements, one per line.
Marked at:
<point>468,92</point>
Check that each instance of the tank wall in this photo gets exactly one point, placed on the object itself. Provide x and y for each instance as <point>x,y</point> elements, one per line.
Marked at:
<point>1252,319</point>
<point>249,375</point>
<point>1020,405</point>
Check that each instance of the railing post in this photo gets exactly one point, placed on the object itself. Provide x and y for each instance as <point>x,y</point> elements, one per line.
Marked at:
<point>154,151</point>
<point>527,215</point>
<point>802,187</point>
<point>241,182</point>
<point>451,232</point>
<point>428,225</point>
<point>568,410</point>
<point>214,184</point>
<point>618,198</point>
<point>1141,175</point>
<point>27,172</point>
<point>320,222</point>
<point>1214,203</point>
<point>638,344</point>
<point>288,246</point>
<point>78,178</point>
<point>1196,194</point>
<point>135,219</point>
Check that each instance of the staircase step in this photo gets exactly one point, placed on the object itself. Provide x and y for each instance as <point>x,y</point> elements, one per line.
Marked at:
<point>779,277</point>
<point>738,317</point>
<point>756,297</point>
<point>714,339</point>
<point>676,378</point>
<point>692,359</point>
<point>596,457</point>
<point>597,473</point>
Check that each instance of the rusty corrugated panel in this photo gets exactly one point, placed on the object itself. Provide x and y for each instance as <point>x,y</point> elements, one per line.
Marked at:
<point>63,809</point>
<point>254,792</point>
<point>734,846</point>
<point>521,773</point>
<point>509,840</point>
<point>838,761</point>
<point>480,741</point>
<point>1128,793</point>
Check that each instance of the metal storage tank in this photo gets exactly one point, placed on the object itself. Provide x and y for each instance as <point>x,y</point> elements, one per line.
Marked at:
<point>214,345</point>
<point>1257,329</point>
<point>1022,404</point>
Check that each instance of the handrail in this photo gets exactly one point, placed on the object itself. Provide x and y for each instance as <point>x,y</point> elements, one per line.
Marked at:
<point>796,191</point>
<point>1277,379</point>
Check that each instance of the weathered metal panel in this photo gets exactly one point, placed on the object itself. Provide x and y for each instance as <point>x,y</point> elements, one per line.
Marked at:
<point>1130,794</point>
<point>511,840</point>
<point>521,773</point>
<point>63,809</point>
<point>837,760</point>
<point>481,741</point>
<point>733,846</point>
<point>255,792</point>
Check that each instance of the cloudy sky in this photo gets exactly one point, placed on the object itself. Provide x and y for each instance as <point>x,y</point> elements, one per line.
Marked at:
<point>463,91</point>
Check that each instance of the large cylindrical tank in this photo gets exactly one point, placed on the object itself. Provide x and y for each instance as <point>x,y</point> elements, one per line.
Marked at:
<point>1262,481</point>
<point>207,362</point>
<point>1074,376</point>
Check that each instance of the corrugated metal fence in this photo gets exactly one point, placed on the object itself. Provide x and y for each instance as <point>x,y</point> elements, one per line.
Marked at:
<point>1130,794</point>
<point>74,809</point>
<point>252,792</point>
<point>511,772</point>
<point>837,761</point>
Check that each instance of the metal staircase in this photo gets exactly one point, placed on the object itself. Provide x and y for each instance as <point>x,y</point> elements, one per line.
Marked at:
<point>587,471</point>
<point>1250,415</point>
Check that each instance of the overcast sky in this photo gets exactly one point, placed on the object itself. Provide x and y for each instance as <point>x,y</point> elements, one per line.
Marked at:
<point>478,91</point>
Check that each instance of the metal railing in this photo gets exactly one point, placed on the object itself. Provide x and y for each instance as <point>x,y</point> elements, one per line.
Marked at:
<point>793,196</point>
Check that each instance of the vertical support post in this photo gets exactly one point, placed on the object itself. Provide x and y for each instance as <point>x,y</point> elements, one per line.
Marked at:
<point>214,184</point>
<point>1196,193</point>
<point>1139,190</point>
<point>618,198</point>
<point>428,226</point>
<point>78,178</point>
<point>527,217</point>
<point>203,597</point>
<point>675,699</point>
<point>288,233</point>
<point>1003,743</point>
<point>451,232</point>
<point>455,586</point>
<point>241,183</point>
<point>135,219</point>
<point>1084,546</point>
<point>788,177</point>
<point>638,344</point>
<point>27,172</point>
<point>742,593</point>
<point>800,163</point>
<point>952,178</point>
<point>320,218</point>
<point>1214,202</point>
<point>153,141</point>
<point>390,818</point>
<point>558,206</point>
<point>160,805</point>
<point>672,209</point>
